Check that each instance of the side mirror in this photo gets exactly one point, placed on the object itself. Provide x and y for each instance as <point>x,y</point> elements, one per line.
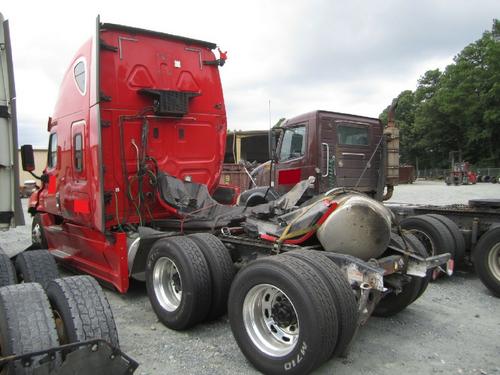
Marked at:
<point>27,158</point>
<point>273,142</point>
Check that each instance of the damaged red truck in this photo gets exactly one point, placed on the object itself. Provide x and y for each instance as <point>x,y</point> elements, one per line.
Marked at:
<point>136,146</point>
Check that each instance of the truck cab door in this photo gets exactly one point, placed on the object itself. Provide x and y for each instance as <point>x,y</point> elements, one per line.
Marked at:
<point>75,193</point>
<point>51,196</point>
<point>293,164</point>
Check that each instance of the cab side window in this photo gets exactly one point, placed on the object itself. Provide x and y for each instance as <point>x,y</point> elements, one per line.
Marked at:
<point>353,135</point>
<point>78,152</point>
<point>52,156</point>
<point>293,144</point>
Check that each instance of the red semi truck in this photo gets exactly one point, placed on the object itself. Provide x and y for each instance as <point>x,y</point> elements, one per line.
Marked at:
<point>136,147</point>
<point>45,327</point>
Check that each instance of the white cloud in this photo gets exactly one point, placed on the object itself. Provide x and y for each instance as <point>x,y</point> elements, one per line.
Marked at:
<point>302,55</point>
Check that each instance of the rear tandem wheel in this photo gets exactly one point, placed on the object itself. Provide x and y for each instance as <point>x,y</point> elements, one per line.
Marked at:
<point>178,282</point>
<point>342,294</point>
<point>282,315</point>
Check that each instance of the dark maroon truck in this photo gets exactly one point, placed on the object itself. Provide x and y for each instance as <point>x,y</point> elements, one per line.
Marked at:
<point>340,150</point>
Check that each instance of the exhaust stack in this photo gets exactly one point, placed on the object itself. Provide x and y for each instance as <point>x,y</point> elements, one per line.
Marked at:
<point>391,133</point>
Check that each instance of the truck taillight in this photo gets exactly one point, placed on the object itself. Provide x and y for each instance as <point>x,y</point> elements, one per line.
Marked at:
<point>450,265</point>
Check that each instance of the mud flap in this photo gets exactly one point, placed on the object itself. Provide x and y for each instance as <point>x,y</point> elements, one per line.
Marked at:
<point>83,358</point>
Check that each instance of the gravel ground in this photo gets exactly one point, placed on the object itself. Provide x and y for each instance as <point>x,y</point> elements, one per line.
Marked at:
<point>454,328</point>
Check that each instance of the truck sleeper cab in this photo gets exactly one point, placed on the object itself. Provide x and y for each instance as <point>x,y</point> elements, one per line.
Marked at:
<point>131,103</point>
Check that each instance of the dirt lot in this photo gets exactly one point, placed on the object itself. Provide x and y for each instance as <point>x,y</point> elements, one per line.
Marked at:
<point>454,328</point>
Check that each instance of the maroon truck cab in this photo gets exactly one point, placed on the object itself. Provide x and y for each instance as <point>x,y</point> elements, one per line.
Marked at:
<point>132,102</point>
<point>339,150</point>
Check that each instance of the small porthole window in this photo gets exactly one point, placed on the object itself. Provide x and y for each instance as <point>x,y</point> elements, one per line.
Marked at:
<point>79,72</point>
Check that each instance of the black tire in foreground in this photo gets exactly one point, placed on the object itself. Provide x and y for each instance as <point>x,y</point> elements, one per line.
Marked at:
<point>36,266</point>
<point>178,282</point>
<point>282,315</point>
<point>82,310</point>
<point>486,256</point>
<point>37,233</point>
<point>458,239</point>
<point>7,271</point>
<point>431,232</point>
<point>26,325</point>
<point>413,286</point>
<point>221,271</point>
<point>342,295</point>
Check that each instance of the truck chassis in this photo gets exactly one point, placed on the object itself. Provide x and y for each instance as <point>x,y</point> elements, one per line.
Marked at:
<point>478,223</point>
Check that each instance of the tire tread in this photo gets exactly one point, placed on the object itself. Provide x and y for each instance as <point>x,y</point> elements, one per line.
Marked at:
<point>89,310</point>
<point>7,271</point>
<point>37,266</point>
<point>28,323</point>
<point>221,270</point>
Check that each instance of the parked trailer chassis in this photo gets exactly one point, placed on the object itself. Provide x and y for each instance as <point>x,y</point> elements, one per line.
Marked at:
<point>478,223</point>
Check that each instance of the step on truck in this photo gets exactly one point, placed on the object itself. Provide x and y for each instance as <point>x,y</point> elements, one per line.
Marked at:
<point>45,327</point>
<point>136,146</point>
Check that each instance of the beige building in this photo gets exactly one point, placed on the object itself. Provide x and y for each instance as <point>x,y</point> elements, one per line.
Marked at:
<point>40,164</point>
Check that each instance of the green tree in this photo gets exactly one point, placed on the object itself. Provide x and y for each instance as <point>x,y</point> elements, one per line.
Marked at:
<point>458,109</point>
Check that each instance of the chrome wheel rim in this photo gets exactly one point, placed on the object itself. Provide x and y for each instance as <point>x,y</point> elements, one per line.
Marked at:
<point>36,234</point>
<point>270,319</point>
<point>494,261</point>
<point>167,284</point>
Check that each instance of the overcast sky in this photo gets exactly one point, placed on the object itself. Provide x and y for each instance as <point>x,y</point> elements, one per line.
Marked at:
<point>346,56</point>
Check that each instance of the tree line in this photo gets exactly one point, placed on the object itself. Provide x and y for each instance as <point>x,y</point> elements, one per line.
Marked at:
<point>454,110</point>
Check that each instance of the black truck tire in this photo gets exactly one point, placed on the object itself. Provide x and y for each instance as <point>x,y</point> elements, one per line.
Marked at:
<point>178,282</point>
<point>342,295</point>
<point>26,325</point>
<point>431,232</point>
<point>419,248</point>
<point>82,309</point>
<point>36,266</point>
<point>456,235</point>
<point>37,233</point>
<point>282,315</point>
<point>7,271</point>
<point>392,303</point>
<point>486,257</point>
<point>221,269</point>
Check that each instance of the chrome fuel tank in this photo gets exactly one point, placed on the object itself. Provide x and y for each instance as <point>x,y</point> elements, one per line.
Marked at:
<point>360,226</point>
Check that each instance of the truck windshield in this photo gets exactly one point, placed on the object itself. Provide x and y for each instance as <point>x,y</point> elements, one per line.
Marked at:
<point>294,143</point>
<point>352,135</point>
